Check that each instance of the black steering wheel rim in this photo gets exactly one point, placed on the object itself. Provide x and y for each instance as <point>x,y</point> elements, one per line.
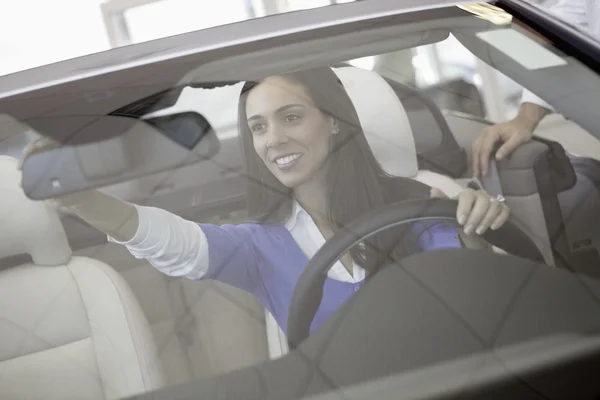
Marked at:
<point>308,292</point>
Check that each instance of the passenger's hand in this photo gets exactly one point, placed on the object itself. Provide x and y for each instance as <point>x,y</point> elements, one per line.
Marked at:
<point>478,211</point>
<point>513,133</point>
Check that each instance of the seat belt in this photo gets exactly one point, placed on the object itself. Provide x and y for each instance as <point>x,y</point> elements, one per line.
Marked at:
<point>490,182</point>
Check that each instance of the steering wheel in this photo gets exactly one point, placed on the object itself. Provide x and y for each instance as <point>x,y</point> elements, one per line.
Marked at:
<point>309,289</point>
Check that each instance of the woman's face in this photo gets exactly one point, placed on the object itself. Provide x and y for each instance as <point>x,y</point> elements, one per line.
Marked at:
<point>290,135</point>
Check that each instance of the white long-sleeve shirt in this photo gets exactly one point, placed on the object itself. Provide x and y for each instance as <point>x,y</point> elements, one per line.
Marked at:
<point>178,247</point>
<point>583,14</point>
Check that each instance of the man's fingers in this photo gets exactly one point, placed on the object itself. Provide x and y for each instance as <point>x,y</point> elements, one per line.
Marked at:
<point>476,154</point>
<point>487,145</point>
<point>509,146</point>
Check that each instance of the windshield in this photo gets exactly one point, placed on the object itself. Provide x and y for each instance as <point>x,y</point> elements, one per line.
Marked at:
<point>167,233</point>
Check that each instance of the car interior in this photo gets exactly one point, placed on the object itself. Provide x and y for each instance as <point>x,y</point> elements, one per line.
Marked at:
<point>83,318</point>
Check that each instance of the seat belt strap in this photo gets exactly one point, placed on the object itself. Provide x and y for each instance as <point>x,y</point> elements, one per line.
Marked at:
<point>491,181</point>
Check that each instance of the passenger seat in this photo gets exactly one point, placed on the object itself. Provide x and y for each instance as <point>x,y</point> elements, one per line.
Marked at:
<point>70,327</point>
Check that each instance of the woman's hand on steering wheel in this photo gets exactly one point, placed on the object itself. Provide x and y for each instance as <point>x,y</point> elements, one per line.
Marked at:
<point>477,210</point>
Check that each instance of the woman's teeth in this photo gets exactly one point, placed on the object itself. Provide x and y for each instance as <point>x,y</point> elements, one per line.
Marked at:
<point>287,159</point>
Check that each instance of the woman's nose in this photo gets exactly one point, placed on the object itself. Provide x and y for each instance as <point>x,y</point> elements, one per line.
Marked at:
<point>276,137</point>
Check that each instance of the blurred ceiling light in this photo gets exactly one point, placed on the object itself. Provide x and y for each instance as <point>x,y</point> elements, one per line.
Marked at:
<point>364,62</point>
<point>423,70</point>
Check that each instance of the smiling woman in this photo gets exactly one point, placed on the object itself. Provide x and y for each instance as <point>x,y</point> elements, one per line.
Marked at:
<point>311,148</point>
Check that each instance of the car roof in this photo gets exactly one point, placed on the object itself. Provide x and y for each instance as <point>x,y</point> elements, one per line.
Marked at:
<point>156,51</point>
<point>61,99</point>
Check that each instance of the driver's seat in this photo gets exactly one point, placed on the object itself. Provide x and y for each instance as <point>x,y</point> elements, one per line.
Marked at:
<point>70,327</point>
<point>387,128</point>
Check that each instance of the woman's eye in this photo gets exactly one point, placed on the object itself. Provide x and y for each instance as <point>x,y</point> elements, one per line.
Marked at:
<point>257,128</point>
<point>291,118</point>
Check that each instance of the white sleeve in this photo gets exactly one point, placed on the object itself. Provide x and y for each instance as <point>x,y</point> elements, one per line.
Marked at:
<point>574,12</point>
<point>529,97</point>
<point>173,245</point>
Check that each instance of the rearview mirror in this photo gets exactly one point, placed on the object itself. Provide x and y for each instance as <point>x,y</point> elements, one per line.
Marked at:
<point>150,146</point>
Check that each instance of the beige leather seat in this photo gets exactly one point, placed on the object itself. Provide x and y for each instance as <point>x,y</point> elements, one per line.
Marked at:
<point>70,327</point>
<point>388,129</point>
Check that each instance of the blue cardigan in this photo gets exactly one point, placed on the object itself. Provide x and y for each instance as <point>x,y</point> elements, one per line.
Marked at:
<point>266,261</point>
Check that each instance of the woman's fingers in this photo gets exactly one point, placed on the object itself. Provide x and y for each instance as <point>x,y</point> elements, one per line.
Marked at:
<point>437,193</point>
<point>36,146</point>
<point>501,218</point>
<point>490,216</point>
<point>477,211</point>
<point>466,200</point>
<point>29,148</point>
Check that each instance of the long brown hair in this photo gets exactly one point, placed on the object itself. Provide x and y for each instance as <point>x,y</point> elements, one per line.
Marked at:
<point>356,183</point>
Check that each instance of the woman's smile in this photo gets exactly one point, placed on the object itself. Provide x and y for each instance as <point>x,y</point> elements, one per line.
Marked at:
<point>287,161</point>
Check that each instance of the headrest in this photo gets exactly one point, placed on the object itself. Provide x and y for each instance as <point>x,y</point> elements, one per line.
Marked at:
<point>28,226</point>
<point>383,119</point>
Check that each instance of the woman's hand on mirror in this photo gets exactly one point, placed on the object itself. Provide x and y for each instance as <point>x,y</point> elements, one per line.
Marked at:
<point>37,146</point>
<point>478,211</point>
<point>41,145</point>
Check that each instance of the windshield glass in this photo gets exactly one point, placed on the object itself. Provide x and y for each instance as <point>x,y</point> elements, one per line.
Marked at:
<point>166,235</point>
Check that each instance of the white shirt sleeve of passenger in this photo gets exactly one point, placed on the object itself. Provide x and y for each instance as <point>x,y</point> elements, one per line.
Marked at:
<point>574,12</point>
<point>529,97</point>
<point>173,245</point>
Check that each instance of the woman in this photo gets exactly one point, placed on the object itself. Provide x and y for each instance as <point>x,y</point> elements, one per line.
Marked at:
<point>310,172</point>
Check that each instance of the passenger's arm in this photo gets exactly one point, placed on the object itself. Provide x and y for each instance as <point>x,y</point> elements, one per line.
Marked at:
<point>513,133</point>
<point>533,109</point>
